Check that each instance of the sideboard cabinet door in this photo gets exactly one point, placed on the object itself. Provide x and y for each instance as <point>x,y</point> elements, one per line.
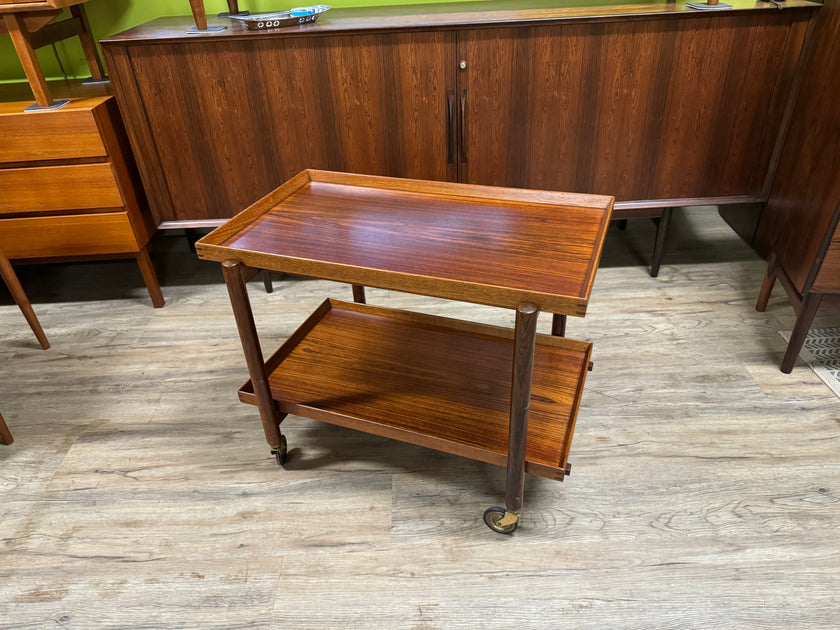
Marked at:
<point>653,109</point>
<point>232,120</point>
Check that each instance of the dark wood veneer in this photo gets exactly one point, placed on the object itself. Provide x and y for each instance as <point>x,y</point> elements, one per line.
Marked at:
<point>656,104</point>
<point>479,244</point>
<point>799,225</point>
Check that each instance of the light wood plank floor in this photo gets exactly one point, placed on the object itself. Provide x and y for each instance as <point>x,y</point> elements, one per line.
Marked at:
<point>705,490</point>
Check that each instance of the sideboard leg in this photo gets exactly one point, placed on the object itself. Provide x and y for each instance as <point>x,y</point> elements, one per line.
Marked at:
<point>662,224</point>
<point>767,285</point>
<point>506,521</point>
<point>5,434</point>
<point>558,325</point>
<point>147,270</point>
<point>241,304</point>
<point>359,294</point>
<point>804,319</point>
<point>267,283</point>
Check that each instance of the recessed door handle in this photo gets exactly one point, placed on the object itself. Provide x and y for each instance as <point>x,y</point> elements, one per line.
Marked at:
<point>462,149</point>
<point>450,126</point>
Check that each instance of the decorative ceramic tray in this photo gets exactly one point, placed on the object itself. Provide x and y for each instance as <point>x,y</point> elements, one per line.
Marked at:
<point>293,17</point>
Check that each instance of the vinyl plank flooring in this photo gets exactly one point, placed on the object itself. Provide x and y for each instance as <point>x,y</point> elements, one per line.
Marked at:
<point>139,493</point>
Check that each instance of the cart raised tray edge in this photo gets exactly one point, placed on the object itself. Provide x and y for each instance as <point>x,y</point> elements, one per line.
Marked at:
<point>427,380</point>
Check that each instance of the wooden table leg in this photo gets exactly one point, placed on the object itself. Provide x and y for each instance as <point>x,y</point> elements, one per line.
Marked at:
<point>359,294</point>
<point>767,285</point>
<point>199,15</point>
<point>241,304</point>
<point>97,72</point>
<point>5,434</point>
<point>147,270</point>
<point>200,18</point>
<point>10,278</point>
<point>29,61</point>
<point>804,318</point>
<point>505,521</point>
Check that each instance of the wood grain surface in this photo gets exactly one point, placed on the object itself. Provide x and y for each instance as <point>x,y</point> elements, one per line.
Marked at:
<point>432,382</point>
<point>449,14</point>
<point>139,493</point>
<point>645,110</point>
<point>58,188</point>
<point>801,217</point>
<point>492,246</point>
<point>653,103</point>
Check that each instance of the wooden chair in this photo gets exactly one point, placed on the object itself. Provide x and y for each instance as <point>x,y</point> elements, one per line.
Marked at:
<point>5,434</point>
<point>11,280</point>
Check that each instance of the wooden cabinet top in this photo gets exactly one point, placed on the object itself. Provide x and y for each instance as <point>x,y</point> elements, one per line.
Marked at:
<point>496,246</point>
<point>448,15</point>
<point>14,97</point>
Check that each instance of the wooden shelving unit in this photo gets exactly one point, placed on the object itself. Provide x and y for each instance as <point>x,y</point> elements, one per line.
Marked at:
<point>507,397</point>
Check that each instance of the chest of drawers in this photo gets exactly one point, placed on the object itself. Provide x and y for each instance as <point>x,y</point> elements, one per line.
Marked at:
<point>68,183</point>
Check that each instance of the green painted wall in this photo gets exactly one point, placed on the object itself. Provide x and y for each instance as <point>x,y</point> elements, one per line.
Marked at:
<point>112,16</point>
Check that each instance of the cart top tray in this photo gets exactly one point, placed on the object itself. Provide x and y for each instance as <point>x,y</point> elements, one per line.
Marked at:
<point>496,246</point>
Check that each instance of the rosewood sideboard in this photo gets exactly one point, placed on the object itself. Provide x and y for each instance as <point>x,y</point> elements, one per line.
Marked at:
<point>655,103</point>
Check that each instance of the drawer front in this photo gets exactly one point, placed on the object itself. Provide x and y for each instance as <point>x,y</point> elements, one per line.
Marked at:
<point>55,135</point>
<point>58,188</point>
<point>72,235</point>
<point>828,278</point>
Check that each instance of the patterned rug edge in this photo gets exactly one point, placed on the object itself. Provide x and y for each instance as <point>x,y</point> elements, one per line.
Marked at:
<point>821,351</point>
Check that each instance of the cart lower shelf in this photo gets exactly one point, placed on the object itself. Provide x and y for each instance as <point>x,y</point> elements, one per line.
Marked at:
<point>426,380</point>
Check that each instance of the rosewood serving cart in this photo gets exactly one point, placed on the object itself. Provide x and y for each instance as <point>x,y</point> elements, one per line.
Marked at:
<point>506,397</point>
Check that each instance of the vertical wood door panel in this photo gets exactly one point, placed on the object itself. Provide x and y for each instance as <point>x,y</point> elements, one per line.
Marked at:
<point>639,110</point>
<point>242,117</point>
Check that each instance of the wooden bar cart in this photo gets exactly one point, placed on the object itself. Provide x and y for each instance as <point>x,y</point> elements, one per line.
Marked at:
<point>506,397</point>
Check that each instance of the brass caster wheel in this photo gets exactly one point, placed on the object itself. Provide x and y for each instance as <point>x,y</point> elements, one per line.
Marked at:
<point>500,520</point>
<point>281,452</point>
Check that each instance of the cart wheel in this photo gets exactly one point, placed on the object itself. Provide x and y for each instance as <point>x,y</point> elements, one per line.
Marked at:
<point>500,520</point>
<point>281,452</point>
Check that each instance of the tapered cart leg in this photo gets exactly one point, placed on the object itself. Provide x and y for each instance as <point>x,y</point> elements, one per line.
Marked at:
<point>506,521</point>
<point>269,414</point>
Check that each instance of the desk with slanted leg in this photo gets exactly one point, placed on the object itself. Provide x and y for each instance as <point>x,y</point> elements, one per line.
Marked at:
<point>504,397</point>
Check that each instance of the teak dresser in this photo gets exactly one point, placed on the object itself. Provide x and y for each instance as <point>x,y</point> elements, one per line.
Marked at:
<point>68,184</point>
<point>506,397</point>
